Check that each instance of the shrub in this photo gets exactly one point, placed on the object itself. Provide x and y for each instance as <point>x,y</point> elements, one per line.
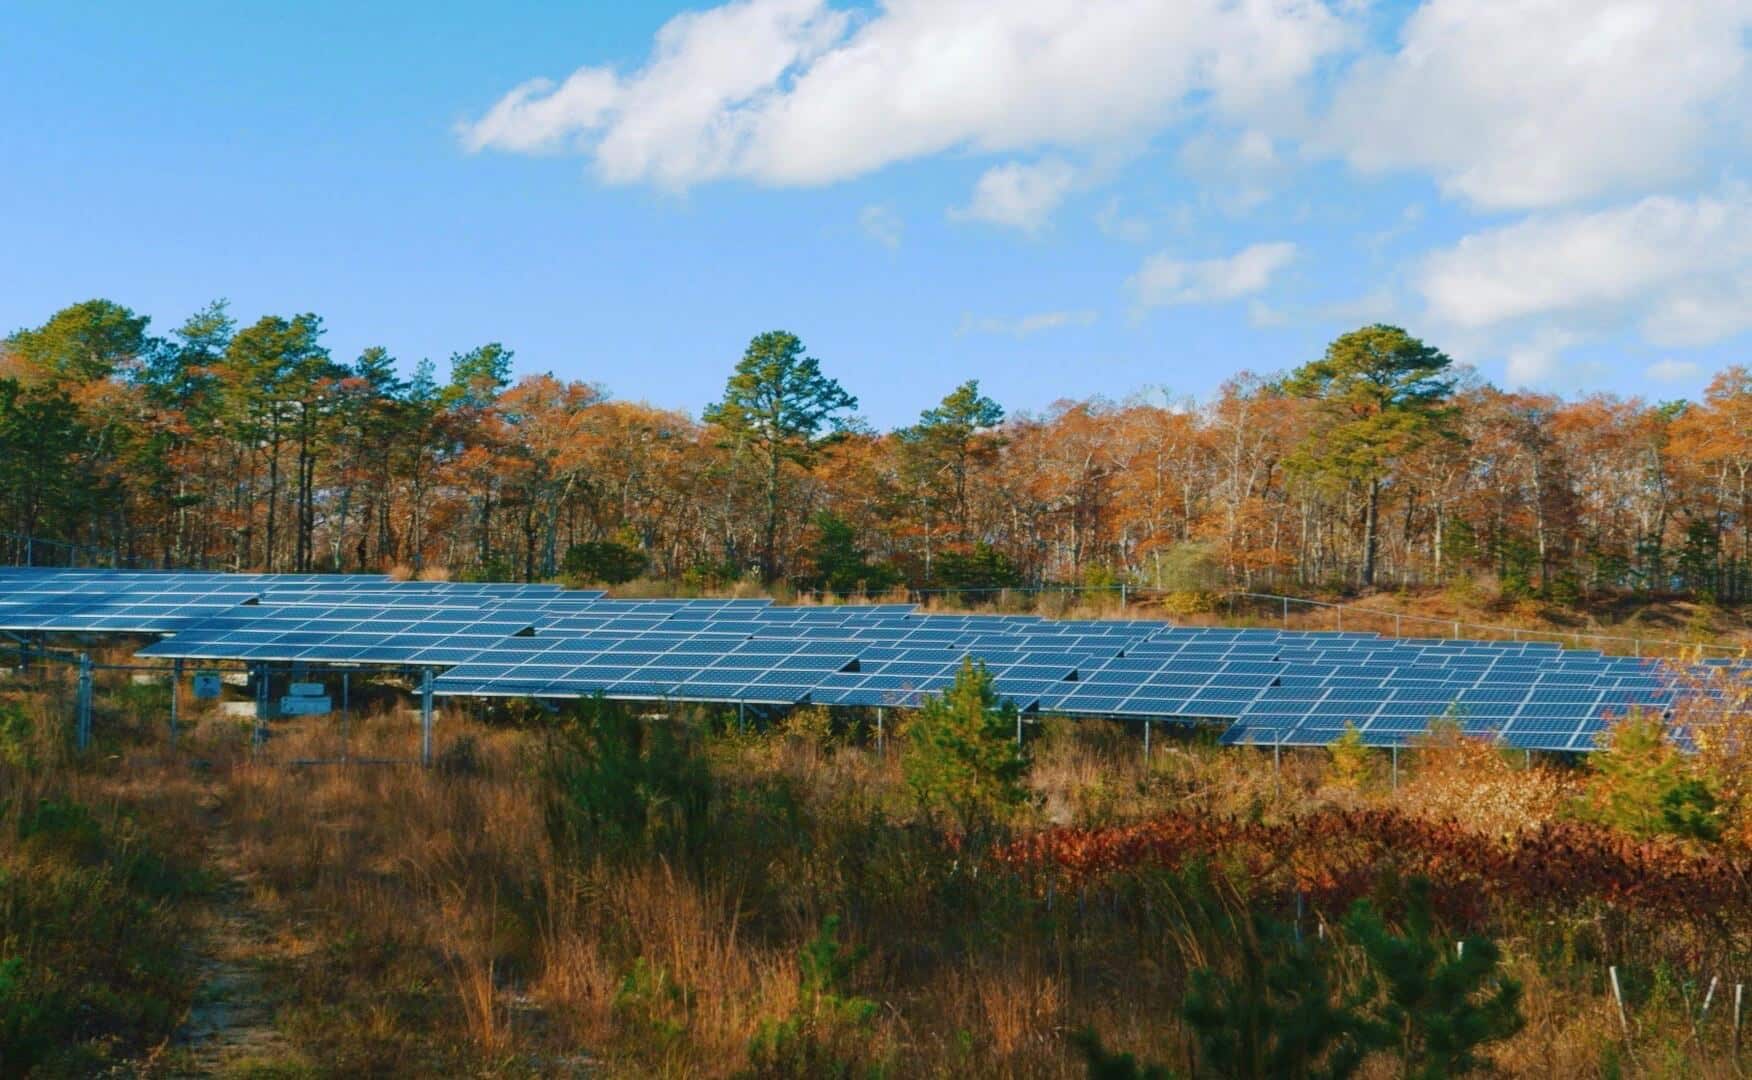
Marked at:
<point>616,785</point>
<point>839,566</point>
<point>1349,758</point>
<point>1277,1015</point>
<point>604,561</point>
<point>828,1034</point>
<point>1642,783</point>
<point>1433,1004</point>
<point>1104,1064</point>
<point>18,741</point>
<point>985,567</point>
<point>962,755</point>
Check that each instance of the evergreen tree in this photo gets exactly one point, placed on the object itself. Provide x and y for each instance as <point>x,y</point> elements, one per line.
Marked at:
<point>962,754</point>
<point>1433,1003</point>
<point>1381,394</point>
<point>775,405</point>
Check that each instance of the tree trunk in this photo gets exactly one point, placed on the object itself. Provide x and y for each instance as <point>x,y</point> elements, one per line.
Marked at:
<point>1371,527</point>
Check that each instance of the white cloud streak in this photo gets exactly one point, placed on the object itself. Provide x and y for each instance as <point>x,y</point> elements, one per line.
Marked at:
<point>794,92</point>
<point>1019,196</point>
<point>1680,270</point>
<point>1026,325</point>
<point>882,224</point>
<point>1164,280</point>
<point>1671,370</point>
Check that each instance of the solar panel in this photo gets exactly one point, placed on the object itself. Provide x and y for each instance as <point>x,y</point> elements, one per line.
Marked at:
<point>1276,686</point>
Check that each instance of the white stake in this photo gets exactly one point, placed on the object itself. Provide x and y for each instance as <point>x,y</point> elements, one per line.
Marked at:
<point>1618,996</point>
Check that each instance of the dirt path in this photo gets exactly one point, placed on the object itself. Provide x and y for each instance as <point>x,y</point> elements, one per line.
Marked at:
<point>230,1028</point>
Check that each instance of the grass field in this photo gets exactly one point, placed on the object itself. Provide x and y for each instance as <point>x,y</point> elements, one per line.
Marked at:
<point>669,896</point>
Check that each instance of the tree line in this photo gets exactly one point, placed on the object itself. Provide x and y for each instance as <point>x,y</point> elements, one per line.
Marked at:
<point>1378,463</point>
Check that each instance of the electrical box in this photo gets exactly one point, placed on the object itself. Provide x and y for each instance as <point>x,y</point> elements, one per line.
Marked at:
<point>305,699</point>
<point>207,684</point>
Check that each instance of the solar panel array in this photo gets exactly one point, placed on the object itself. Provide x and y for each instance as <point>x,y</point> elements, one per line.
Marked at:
<point>492,640</point>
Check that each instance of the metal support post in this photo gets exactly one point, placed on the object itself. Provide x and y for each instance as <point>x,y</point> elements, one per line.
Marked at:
<point>1122,597</point>
<point>881,747</point>
<point>82,725</point>
<point>1018,727</point>
<point>260,736</point>
<point>175,695</point>
<point>1146,742</point>
<point>1396,768</point>
<point>426,716</point>
<point>1286,613</point>
<point>346,716</point>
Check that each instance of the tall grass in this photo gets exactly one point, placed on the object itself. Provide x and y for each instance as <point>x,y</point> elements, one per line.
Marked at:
<point>436,922</point>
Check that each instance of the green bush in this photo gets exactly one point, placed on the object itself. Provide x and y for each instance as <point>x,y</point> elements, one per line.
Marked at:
<point>1432,1003</point>
<point>604,561</point>
<point>828,1034</point>
<point>839,566</point>
<point>1277,1015</point>
<point>18,738</point>
<point>1642,783</point>
<point>618,786</point>
<point>962,755</point>
<point>985,567</point>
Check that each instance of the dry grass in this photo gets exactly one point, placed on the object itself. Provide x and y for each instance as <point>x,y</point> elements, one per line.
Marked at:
<point>424,921</point>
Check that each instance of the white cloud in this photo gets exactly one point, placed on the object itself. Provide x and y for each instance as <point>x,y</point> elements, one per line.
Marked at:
<point>881,224</point>
<point>1114,222</point>
<point>1237,169</point>
<point>1019,196</point>
<point>1680,270</point>
<point>796,92</point>
<point>1164,279</point>
<point>1673,370</point>
<point>1262,314</point>
<point>1537,103</point>
<point>1539,361</point>
<point>1027,324</point>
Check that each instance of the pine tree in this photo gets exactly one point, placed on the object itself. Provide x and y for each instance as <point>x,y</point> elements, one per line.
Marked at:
<point>774,407</point>
<point>1381,393</point>
<point>962,754</point>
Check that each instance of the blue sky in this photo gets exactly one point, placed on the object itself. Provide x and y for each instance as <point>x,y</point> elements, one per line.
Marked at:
<point>1060,198</point>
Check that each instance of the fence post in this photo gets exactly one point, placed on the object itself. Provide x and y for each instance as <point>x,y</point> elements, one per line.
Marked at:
<point>1122,596</point>
<point>426,716</point>
<point>82,726</point>
<point>1286,613</point>
<point>1618,997</point>
<point>1739,1001</point>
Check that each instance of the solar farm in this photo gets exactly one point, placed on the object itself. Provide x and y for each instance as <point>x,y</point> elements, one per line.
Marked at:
<point>483,641</point>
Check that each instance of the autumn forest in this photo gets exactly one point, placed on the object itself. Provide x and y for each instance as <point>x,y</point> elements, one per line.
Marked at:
<point>1381,462</point>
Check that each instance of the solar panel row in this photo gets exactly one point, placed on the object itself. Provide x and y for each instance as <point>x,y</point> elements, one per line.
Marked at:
<point>497,640</point>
